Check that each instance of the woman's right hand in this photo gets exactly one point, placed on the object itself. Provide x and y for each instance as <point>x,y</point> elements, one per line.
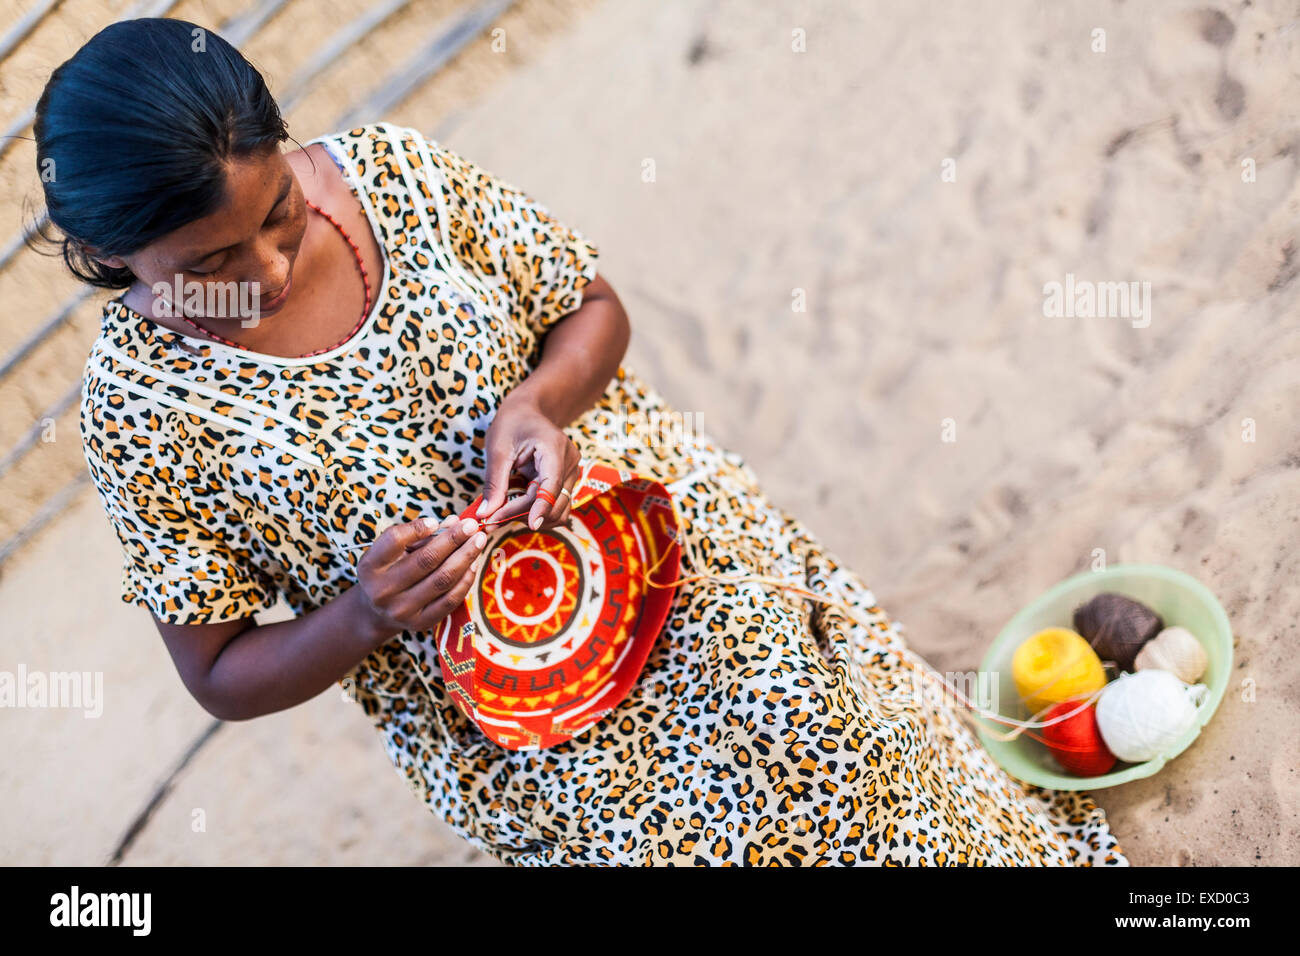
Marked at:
<point>411,577</point>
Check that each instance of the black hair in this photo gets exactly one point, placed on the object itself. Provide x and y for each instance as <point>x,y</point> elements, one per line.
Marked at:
<point>134,134</point>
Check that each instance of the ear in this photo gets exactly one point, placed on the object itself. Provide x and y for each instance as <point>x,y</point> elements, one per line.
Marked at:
<point>113,262</point>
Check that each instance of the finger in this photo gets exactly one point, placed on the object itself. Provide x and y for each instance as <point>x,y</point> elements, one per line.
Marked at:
<point>443,526</point>
<point>518,498</point>
<point>394,541</point>
<point>513,508</point>
<point>500,462</point>
<point>522,493</point>
<point>518,487</point>
<point>566,513</point>
<point>560,516</point>
<point>552,475</point>
<point>426,560</point>
<point>571,482</point>
<point>411,602</point>
<point>564,502</point>
<point>441,607</point>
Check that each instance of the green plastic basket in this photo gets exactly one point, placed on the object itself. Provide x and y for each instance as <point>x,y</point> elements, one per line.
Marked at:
<point>1179,599</point>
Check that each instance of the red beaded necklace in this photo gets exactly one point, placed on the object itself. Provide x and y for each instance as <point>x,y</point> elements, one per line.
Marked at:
<point>365,311</point>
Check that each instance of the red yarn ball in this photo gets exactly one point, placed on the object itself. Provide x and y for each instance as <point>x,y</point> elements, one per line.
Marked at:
<point>1076,742</point>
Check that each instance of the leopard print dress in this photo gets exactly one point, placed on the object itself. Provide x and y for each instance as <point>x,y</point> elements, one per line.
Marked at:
<point>764,728</point>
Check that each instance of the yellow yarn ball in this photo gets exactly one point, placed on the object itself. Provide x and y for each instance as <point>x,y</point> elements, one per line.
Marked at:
<point>1055,665</point>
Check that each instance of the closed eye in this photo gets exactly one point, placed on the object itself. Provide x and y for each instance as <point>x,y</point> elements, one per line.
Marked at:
<point>279,212</point>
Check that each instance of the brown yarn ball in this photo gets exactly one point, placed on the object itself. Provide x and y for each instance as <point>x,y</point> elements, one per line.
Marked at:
<point>1116,627</point>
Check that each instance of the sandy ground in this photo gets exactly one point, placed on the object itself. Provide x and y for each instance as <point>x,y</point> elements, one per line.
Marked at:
<point>821,174</point>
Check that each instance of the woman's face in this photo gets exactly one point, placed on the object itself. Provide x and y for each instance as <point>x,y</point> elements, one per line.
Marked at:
<point>235,265</point>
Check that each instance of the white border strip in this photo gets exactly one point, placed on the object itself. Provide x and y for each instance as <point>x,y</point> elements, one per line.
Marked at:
<point>146,393</point>
<point>169,378</point>
<point>437,241</point>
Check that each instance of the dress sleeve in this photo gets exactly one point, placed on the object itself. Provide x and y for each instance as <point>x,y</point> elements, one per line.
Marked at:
<point>183,562</point>
<point>510,242</point>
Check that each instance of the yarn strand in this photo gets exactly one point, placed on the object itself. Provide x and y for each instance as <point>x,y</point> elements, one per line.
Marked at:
<point>907,655</point>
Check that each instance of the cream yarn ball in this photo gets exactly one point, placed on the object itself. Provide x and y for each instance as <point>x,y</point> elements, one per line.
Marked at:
<point>1141,715</point>
<point>1176,650</point>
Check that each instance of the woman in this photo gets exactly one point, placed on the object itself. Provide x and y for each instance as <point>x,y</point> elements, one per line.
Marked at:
<point>410,331</point>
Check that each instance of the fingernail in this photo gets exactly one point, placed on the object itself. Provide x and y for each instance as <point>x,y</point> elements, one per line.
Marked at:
<point>535,523</point>
<point>482,506</point>
<point>469,526</point>
<point>480,539</point>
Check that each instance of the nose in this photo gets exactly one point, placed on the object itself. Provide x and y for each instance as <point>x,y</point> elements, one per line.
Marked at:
<point>274,275</point>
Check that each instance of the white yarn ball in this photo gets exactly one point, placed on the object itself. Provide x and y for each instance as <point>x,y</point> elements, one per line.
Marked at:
<point>1141,715</point>
<point>1176,650</point>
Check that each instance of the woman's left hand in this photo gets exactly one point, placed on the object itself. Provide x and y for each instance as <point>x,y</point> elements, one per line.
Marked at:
<point>522,438</point>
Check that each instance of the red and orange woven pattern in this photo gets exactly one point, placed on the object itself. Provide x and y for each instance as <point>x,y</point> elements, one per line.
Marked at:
<point>560,621</point>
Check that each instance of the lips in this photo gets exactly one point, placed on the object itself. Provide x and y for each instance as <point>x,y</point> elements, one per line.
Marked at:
<point>273,303</point>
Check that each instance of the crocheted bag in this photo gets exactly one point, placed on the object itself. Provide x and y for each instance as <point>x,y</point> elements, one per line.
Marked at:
<point>559,622</point>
